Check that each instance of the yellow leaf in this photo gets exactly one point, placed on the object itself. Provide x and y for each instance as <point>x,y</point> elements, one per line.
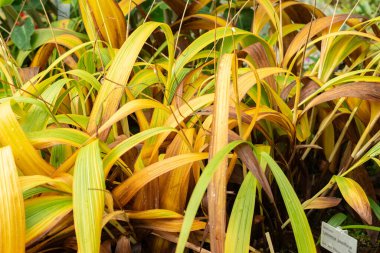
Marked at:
<point>303,128</point>
<point>112,90</point>
<point>128,5</point>
<point>174,185</point>
<point>355,196</point>
<point>26,157</point>
<point>141,215</point>
<point>219,138</point>
<point>144,176</point>
<point>104,21</point>
<point>29,182</point>
<point>12,216</point>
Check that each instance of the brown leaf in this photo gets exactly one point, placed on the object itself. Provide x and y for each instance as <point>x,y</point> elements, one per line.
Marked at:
<point>178,6</point>
<point>216,191</point>
<point>362,90</point>
<point>198,21</point>
<point>307,32</point>
<point>309,88</point>
<point>123,245</point>
<point>263,59</point>
<point>106,247</point>
<point>27,73</point>
<point>246,155</point>
<point>166,225</point>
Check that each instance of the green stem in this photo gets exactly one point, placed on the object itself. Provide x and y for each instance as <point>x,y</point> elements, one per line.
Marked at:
<point>361,227</point>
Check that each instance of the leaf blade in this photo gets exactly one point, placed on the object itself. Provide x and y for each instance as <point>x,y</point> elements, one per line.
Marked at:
<point>88,197</point>
<point>355,196</point>
<point>12,225</point>
<point>301,228</point>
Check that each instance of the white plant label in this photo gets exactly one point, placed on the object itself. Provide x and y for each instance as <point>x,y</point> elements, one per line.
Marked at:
<point>336,240</point>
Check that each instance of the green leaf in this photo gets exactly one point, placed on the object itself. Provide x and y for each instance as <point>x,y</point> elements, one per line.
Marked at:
<point>373,228</point>
<point>199,191</point>
<point>5,2</point>
<point>88,197</point>
<point>301,228</point>
<point>337,219</point>
<point>375,207</point>
<point>240,223</point>
<point>127,144</point>
<point>21,35</point>
<point>44,213</point>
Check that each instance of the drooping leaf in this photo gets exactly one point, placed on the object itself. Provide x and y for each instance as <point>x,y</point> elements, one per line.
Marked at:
<point>198,192</point>
<point>26,157</point>
<point>104,20</point>
<point>12,215</point>
<point>246,155</point>
<point>300,225</point>
<point>355,196</point>
<point>126,145</point>
<point>43,213</point>
<point>88,197</point>
<point>29,182</point>
<point>362,90</point>
<point>112,90</point>
<point>153,171</point>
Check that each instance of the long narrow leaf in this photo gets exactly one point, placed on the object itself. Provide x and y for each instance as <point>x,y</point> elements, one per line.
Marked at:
<point>43,213</point>
<point>301,228</point>
<point>112,89</point>
<point>198,192</point>
<point>219,138</point>
<point>240,223</point>
<point>12,216</point>
<point>26,157</point>
<point>88,198</point>
<point>125,191</point>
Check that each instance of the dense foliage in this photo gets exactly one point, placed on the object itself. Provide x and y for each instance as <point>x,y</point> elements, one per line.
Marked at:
<point>197,126</point>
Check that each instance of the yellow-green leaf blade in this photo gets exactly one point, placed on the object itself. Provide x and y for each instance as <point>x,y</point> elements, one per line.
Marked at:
<point>88,198</point>
<point>301,228</point>
<point>126,145</point>
<point>43,213</point>
<point>240,223</point>
<point>199,190</point>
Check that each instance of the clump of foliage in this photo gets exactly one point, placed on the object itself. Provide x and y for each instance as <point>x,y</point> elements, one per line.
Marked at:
<point>198,126</point>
